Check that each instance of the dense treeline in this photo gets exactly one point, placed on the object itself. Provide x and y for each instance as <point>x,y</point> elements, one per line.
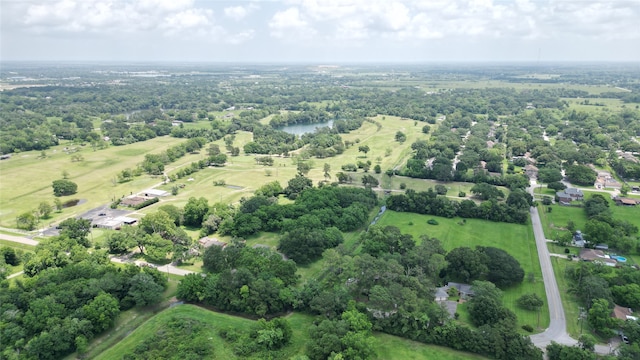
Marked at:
<point>249,280</point>
<point>514,210</point>
<point>59,310</point>
<point>316,210</point>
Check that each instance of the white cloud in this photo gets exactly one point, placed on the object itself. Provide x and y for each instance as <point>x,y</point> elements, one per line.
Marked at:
<point>117,16</point>
<point>238,13</point>
<point>290,24</point>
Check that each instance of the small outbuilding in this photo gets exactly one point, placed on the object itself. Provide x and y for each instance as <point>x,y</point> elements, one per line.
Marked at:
<point>155,193</point>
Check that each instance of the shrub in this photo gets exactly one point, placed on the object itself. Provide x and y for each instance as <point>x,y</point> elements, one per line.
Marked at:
<point>462,194</point>
<point>432,222</point>
<point>566,250</point>
<point>403,186</point>
<point>527,328</point>
<point>146,203</point>
<point>115,204</point>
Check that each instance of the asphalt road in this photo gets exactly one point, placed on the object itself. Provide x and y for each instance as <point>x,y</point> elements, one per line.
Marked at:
<point>557,330</point>
<point>19,239</point>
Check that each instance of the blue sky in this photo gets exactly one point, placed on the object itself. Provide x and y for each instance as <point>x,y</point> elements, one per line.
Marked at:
<point>320,31</point>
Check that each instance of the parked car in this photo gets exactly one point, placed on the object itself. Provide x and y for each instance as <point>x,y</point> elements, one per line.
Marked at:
<point>624,338</point>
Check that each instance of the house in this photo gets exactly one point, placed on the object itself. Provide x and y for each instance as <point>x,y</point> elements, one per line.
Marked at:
<point>626,201</point>
<point>622,313</point>
<point>208,242</point>
<point>464,290</point>
<point>441,294</point>
<point>568,195</point>
<point>578,239</point>
<point>531,171</point>
<point>596,256</point>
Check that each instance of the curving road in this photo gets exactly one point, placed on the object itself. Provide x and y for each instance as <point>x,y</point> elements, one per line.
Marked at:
<point>557,330</point>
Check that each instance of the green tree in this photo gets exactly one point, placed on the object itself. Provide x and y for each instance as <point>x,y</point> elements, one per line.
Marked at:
<point>369,181</point>
<point>195,211</point>
<point>76,229</point>
<point>296,185</point>
<point>45,209</point>
<point>144,290</point>
<point>549,175</point>
<point>101,311</point>
<point>64,187</point>
<point>466,264</point>
<point>400,137</point>
<point>364,149</point>
<point>530,301</point>
<point>26,221</point>
<point>600,316</point>
<point>58,204</point>
<point>581,175</point>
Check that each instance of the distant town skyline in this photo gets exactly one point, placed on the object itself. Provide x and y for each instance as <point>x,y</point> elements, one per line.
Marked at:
<point>320,31</point>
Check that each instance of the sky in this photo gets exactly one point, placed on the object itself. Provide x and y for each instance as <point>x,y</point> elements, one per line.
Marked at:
<point>320,31</point>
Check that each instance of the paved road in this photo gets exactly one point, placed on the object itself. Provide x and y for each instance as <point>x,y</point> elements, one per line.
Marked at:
<point>19,239</point>
<point>557,330</point>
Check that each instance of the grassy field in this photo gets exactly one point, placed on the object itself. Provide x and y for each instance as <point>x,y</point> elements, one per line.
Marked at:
<point>517,240</point>
<point>95,175</point>
<point>387,347</point>
<point>26,179</point>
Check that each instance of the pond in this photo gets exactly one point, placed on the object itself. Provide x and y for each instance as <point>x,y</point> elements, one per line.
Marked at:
<point>299,129</point>
<point>73,202</point>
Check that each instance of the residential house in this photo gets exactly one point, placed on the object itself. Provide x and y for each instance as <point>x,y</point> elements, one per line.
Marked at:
<point>207,242</point>
<point>441,294</point>
<point>464,290</point>
<point>531,171</point>
<point>568,195</point>
<point>596,256</point>
<point>626,201</point>
<point>622,313</point>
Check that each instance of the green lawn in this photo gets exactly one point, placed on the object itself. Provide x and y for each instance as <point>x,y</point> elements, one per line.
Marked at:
<point>516,239</point>
<point>569,301</point>
<point>387,347</point>
<point>20,193</point>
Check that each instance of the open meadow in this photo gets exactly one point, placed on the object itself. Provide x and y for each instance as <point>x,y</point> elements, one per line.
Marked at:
<point>515,239</point>
<point>387,346</point>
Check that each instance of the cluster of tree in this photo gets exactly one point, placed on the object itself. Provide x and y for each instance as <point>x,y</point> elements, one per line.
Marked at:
<point>626,169</point>
<point>598,288</point>
<point>30,219</point>
<point>311,224</point>
<point>255,281</point>
<point>348,336</point>
<point>188,337</point>
<point>514,210</point>
<point>157,236</point>
<point>581,175</point>
<point>602,228</point>
<point>122,132</point>
<point>154,163</point>
<point>493,264</point>
<point>9,256</point>
<point>61,308</point>
<point>262,340</point>
<point>64,187</point>
<point>309,115</point>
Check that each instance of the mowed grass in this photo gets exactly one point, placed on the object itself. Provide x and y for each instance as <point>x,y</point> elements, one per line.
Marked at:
<point>569,301</point>
<point>515,239</point>
<point>242,176</point>
<point>26,179</point>
<point>387,347</point>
